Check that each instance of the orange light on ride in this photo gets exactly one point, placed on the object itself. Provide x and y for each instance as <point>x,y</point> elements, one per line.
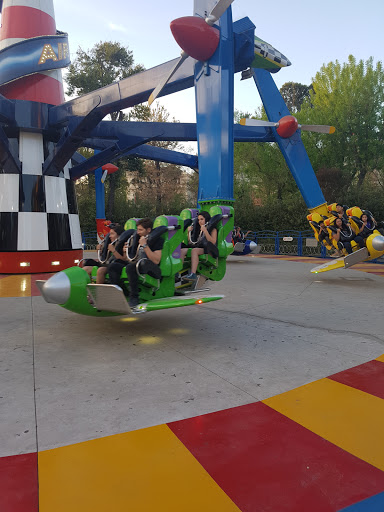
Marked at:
<point>198,301</point>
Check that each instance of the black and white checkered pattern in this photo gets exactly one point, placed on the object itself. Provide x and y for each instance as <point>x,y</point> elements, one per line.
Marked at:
<point>270,53</point>
<point>37,213</point>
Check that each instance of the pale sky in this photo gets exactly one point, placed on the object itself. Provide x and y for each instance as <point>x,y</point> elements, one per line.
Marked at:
<point>308,33</point>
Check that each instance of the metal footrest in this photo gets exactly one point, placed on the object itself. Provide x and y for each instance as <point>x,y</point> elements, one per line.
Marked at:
<point>356,257</point>
<point>109,297</point>
<point>239,247</point>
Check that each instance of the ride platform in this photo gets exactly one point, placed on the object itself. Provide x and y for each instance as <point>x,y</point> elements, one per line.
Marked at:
<point>270,399</point>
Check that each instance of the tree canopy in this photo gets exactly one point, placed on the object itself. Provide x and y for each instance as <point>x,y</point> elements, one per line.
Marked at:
<point>102,65</point>
<point>349,96</point>
<point>294,95</point>
<point>349,164</point>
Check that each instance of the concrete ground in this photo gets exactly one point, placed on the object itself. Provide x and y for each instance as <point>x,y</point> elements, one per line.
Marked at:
<point>67,379</point>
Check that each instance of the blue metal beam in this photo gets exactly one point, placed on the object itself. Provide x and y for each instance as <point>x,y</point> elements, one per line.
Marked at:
<point>145,151</point>
<point>124,130</point>
<point>8,162</point>
<point>292,148</point>
<point>137,88</point>
<point>71,140</point>
<point>7,110</point>
<point>214,113</point>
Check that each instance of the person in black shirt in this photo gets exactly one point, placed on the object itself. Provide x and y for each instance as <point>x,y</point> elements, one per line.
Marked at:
<point>204,244</point>
<point>114,233</point>
<point>341,213</point>
<point>344,236</point>
<point>323,233</point>
<point>146,261</point>
<point>238,235</point>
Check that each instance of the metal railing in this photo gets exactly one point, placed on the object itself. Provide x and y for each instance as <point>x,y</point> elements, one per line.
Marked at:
<point>89,240</point>
<point>295,243</point>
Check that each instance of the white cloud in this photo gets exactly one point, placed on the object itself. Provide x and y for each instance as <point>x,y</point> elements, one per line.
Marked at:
<point>117,28</point>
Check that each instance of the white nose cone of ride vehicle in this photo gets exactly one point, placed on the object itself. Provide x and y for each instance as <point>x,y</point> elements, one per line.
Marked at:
<point>378,243</point>
<point>57,289</point>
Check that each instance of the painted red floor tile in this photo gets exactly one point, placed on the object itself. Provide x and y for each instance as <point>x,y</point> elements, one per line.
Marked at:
<point>34,277</point>
<point>266,462</point>
<point>18,483</point>
<point>368,377</point>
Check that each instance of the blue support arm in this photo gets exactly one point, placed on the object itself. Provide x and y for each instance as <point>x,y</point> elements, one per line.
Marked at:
<point>10,163</point>
<point>7,110</point>
<point>292,148</point>
<point>71,140</point>
<point>214,113</point>
<point>145,151</point>
<point>137,88</point>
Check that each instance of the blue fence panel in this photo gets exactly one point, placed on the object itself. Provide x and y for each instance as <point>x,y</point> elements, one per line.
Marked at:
<point>89,239</point>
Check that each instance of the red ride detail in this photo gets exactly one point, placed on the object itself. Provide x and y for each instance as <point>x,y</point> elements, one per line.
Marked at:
<point>40,88</point>
<point>40,262</point>
<point>25,22</point>
<point>198,39</point>
<point>110,168</point>
<point>287,126</point>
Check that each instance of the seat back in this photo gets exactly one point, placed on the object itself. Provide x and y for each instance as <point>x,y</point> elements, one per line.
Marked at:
<point>131,224</point>
<point>172,235</point>
<point>124,237</point>
<point>222,219</point>
<point>224,228</point>
<point>354,215</point>
<point>102,254</point>
<point>189,216</point>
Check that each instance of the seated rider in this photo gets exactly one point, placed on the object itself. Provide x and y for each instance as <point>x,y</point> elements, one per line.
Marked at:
<point>344,236</point>
<point>323,233</point>
<point>114,233</point>
<point>340,212</point>
<point>368,225</point>
<point>201,245</point>
<point>146,261</point>
<point>238,235</point>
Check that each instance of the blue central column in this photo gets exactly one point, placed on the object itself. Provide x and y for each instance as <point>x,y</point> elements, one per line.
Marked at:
<point>214,114</point>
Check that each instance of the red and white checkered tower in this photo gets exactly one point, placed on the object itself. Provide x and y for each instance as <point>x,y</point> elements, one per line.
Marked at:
<point>39,222</point>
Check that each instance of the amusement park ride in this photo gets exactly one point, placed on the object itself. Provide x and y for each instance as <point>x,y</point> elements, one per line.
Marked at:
<point>40,134</point>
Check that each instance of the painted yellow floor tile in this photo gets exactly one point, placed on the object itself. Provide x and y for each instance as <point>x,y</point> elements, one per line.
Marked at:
<point>345,416</point>
<point>140,471</point>
<point>381,358</point>
<point>15,286</point>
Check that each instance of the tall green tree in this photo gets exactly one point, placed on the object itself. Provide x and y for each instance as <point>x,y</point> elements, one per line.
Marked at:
<point>162,184</point>
<point>294,95</point>
<point>349,96</point>
<point>105,63</point>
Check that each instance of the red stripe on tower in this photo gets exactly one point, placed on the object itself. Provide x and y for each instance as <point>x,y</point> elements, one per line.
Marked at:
<point>26,22</point>
<point>23,19</point>
<point>42,88</point>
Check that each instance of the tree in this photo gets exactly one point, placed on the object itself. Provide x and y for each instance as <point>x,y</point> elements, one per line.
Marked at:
<point>161,184</point>
<point>294,95</point>
<point>349,96</point>
<point>104,64</point>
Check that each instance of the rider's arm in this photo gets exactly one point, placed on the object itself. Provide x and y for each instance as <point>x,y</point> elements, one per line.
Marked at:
<point>154,256</point>
<point>211,237</point>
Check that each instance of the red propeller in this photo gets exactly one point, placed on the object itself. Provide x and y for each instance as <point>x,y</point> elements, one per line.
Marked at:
<point>288,125</point>
<point>196,37</point>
